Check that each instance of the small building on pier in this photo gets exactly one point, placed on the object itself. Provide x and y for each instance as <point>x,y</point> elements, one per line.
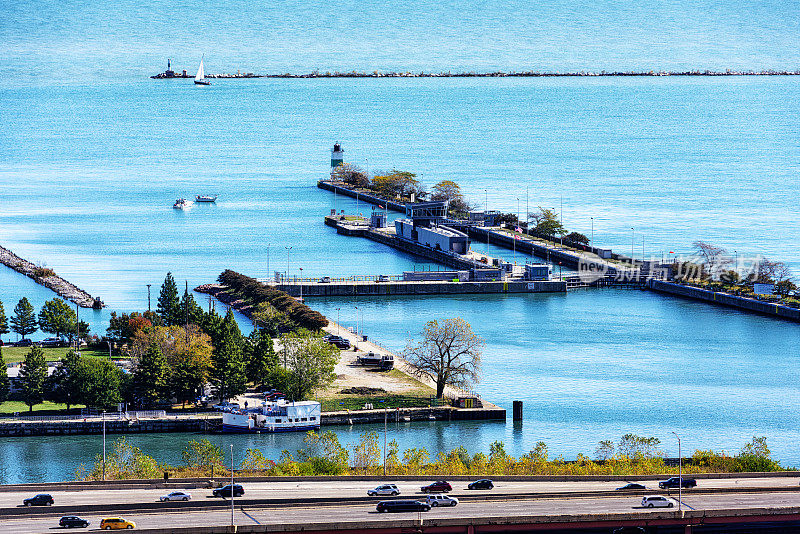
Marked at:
<point>421,226</point>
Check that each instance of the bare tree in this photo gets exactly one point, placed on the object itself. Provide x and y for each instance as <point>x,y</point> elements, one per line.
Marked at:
<point>449,354</point>
<point>715,259</point>
<point>767,271</point>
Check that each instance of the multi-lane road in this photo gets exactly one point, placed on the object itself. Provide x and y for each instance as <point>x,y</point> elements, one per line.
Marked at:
<point>575,499</point>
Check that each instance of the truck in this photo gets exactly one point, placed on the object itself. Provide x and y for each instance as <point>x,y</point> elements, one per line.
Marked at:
<point>384,362</point>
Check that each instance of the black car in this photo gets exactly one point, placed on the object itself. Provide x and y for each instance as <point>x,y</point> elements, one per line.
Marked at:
<point>43,499</point>
<point>24,343</point>
<point>481,484</point>
<point>70,521</point>
<point>403,506</point>
<point>631,486</point>
<point>674,482</point>
<point>51,342</point>
<point>339,341</point>
<point>225,491</point>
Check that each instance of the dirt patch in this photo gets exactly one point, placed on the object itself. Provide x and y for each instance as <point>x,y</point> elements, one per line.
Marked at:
<point>362,390</point>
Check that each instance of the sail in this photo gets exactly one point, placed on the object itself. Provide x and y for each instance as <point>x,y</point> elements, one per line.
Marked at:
<point>201,75</point>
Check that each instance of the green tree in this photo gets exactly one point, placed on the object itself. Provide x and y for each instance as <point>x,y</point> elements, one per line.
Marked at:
<point>546,222</point>
<point>32,377</point>
<point>260,356</point>
<point>190,362</point>
<point>188,310</point>
<point>5,385</point>
<point>202,455</point>
<point>65,382</point>
<point>270,321</point>
<point>310,362</point>
<point>577,237</point>
<point>168,302</point>
<point>57,317</point>
<point>100,382</point>
<point>150,376</point>
<point>3,321</point>
<point>228,375</point>
<point>23,322</point>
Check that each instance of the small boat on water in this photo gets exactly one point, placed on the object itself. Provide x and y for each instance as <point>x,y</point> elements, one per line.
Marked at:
<point>277,416</point>
<point>182,204</point>
<point>205,198</point>
<point>200,79</point>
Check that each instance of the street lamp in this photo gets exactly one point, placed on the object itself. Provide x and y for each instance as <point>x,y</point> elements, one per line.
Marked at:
<point>288,249</point>
<point>268,261</point>
<point>485,215</point>
<point>680,473</point>
<point>104,445</point>
<point>148,297</point>
<point>301,284</point>
<point>591,243</point>
<point>232,492</point>
<point>337,320</point>
<point>631,245</point>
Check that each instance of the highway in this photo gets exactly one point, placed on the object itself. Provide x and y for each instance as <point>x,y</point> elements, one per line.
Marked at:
<point>361,514</point>
<point>357,489</point>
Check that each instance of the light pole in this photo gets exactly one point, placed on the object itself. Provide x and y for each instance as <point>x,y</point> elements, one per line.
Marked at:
<point>357,310</point>
<point>104,445</point>
<point>232,492</point>
<point>148,297</point>
<point>631,245</point>
<point>301,284</point>
<point>485,215</point>
<point>337,320</point>
<point>591,243</point>
<point>527,209</point>
<point>268,274</point>
<point>385,419</point>
<point>680,473</point>
<point>288,249</point>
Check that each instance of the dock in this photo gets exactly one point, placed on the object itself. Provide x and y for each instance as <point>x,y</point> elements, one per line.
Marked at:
<point>50,280</point>
<point>375,286</point>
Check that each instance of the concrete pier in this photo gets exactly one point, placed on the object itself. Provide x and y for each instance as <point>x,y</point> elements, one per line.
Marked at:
<point>398,287</point>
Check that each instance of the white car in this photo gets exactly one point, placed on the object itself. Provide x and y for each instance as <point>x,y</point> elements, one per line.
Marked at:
<point>657,501</point>
<point>384,489</point>
<point>175,496</point>
<point>441,500</point>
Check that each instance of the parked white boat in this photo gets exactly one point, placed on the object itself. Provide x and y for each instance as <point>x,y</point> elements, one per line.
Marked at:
<point>182,204</point>
<point>200,79</point>
<point>279,416</point>
<point>205,198</point>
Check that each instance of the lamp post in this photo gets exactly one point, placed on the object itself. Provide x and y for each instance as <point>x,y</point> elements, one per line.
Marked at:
<point>232,492</point>
<point>680,473</point>
<point>301,284</point>
<point>148,297</point>
<point>385,419</point>
<point>104,445</point>
<point>485,215</point>
<point>591,243</point>
<point>288,249</point>
<point>337,320</point>
<point>631,245</point>
<point>268,261</point>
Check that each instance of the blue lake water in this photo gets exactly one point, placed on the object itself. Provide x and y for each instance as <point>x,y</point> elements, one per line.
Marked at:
<point>93,153</point>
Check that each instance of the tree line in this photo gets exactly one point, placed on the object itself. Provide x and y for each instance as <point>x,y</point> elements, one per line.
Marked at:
<point>323,454</point>
<point>55,317</point>
<point>178,349</point>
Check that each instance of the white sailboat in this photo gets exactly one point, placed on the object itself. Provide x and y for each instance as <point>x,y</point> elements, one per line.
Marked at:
<point>200,79</point>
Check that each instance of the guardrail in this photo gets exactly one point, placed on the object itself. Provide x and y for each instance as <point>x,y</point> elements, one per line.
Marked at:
<point>110,416</point>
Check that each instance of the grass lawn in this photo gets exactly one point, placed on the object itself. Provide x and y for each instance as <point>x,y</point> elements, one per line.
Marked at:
<point>45,408</point>
<point>356,402</point>
<point>17,354</point>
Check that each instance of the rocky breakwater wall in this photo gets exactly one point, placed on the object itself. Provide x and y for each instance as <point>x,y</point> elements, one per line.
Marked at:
<point>47,278</point>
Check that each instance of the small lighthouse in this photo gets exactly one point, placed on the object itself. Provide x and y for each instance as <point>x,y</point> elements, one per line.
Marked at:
<point>337,156</point>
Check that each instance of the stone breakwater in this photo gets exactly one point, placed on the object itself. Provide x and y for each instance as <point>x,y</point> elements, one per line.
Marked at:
<point>50,280</point>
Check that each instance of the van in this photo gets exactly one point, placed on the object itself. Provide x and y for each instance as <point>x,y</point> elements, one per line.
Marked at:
<point>656,501</point>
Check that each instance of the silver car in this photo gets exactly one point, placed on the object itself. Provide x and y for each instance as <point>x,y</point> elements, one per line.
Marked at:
<point>384,489</point>
<point>175,496</point>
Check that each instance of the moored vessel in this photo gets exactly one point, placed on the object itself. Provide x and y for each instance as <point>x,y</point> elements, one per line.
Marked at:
<point>205,198</point>
<point>278,416</point>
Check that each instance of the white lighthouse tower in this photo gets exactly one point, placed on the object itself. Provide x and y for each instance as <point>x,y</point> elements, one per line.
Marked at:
<point>337,156</point>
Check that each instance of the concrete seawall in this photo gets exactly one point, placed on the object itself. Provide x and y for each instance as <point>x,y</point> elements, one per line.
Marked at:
<point>396,288</point>
<point>366,197</point>
<point>725,299</point>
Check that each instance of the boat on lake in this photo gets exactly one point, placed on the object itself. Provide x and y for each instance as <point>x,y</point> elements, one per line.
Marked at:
<point>200,79</point>
<point>182,204</point>
<point>205,198</point>
<point>277,416</point>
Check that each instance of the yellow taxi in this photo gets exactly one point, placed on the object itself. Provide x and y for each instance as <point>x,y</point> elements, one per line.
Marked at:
<point>114,523</point>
